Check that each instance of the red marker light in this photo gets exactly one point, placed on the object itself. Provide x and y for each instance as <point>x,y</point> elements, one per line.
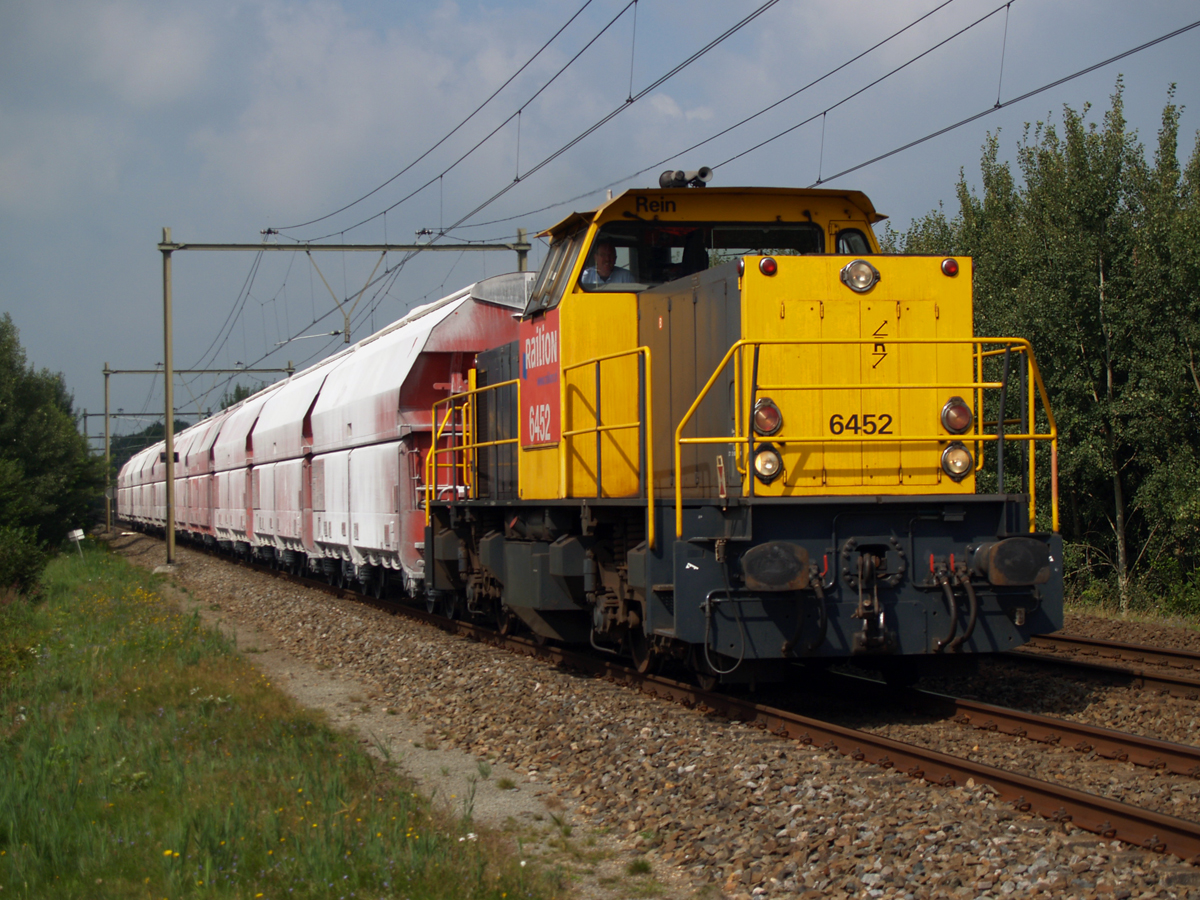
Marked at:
<point>950,267</point>
<point>957,416</point>
<point>768,266</point>
<point>767,417</point>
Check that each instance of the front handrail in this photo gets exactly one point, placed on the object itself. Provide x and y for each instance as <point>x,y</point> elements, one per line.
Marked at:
<point>644,423</point>
<point>1019,345</point>
<point>461,400</point>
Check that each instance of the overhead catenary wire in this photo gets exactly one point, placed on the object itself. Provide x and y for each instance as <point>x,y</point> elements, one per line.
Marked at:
<point>482,140</point>
<point>726,130</point>
<point>724,36</point>
<point>1003,51</point>
<point>452,131</point>
<point>231,320</point>
<point>865,88</point>
<point>1033,93</point>
<point>230,317</point>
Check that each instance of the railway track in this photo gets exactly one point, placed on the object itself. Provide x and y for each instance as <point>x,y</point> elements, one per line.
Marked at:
<point>1074,644</point>
<point>1108,818</point>
<point>1120,746</point>
<point>1062,650</point>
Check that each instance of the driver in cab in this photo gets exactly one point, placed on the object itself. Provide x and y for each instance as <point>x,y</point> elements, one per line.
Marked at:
<point>604,268</point>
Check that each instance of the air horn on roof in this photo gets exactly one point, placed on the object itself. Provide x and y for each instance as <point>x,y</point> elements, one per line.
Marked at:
<point>676,178</point>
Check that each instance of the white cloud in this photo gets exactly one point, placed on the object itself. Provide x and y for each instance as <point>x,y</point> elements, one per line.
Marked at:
<point>665,105</point>
<point>329,100</point>
<point>143,55</point>
<point>146,56</point>
<point>49,159</point>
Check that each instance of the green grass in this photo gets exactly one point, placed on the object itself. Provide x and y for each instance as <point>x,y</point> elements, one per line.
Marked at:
<point>141,757</point>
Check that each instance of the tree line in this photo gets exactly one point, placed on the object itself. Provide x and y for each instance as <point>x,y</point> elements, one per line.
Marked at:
<point>1092,251</point>
<point>48,478</point>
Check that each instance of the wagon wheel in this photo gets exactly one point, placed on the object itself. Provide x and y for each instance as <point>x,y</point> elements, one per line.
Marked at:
<point>379,585</point>
<point>451,605</point>
<point>431,602</point>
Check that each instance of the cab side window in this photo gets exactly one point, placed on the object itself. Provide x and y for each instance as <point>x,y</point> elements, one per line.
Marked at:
<point>551,281</point>
<point>852,242</point>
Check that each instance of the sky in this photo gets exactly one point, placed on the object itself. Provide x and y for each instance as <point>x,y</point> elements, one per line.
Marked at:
<point>224,119</point>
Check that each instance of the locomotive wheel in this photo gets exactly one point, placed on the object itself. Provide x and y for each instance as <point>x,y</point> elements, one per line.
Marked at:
<point>706,681</point>
<point>506,622</point>
<point>638,646</point>
<point>706,678</point>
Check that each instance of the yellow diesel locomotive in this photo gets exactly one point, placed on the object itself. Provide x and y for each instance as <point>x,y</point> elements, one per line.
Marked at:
<point>733,434</point>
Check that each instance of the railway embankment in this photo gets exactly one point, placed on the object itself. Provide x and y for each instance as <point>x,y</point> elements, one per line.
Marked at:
<point>696,799</point>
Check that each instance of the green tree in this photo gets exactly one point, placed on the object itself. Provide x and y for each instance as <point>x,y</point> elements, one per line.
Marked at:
<point>48,478</point>
<point>238,394</point>
<point>124,446</point>
<point>1095,256</point>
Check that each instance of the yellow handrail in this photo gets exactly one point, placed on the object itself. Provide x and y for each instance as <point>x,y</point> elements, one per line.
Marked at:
<point>647,433</point>
<point>1012,344</point>
<point>468,396</point>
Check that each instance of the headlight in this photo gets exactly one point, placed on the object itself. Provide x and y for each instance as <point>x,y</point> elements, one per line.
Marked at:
<point>956,416</point>
<point>957,461</point>
<point>767,417</point>
<point>767,463</point>
<point>860,275</point>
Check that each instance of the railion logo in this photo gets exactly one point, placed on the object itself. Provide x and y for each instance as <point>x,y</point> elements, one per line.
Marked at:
<point>541,349</point>
<point>540,374</point>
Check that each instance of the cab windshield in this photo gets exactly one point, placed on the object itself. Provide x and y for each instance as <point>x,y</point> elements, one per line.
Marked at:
<point>632,256</point>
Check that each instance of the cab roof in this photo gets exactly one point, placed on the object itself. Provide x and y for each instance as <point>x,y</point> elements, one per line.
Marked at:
<point>857,199</point>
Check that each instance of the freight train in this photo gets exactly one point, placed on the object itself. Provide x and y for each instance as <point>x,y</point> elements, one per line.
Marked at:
<point>718,427</point>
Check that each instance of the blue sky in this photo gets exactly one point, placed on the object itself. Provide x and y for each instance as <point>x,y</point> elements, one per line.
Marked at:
<point>222,118</point>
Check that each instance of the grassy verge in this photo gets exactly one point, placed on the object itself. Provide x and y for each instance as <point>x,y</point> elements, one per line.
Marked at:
<point>141,757</point>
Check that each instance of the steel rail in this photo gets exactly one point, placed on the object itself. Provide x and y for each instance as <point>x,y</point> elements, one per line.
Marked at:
<point>1143,653</point>
<point>1111,819</point>
<point>1176,686</point>
<point>1121,746</point>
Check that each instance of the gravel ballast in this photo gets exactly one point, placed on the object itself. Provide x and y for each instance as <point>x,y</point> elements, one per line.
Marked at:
<point>719,808</point>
